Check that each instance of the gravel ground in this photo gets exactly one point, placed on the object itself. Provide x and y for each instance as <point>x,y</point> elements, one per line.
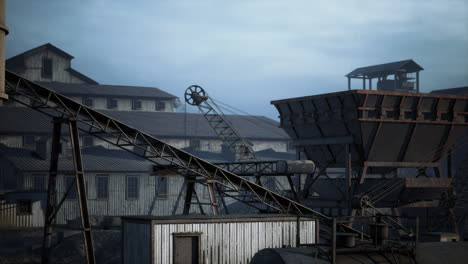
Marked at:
<point>24,246</point>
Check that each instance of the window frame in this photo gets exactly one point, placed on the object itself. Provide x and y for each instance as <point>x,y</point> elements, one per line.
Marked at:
<point>107,187</point>
<point>34,182</point>
<point>73,194</point>
<point>19,207</point>
<point>127,186</point>
<point>47,68</point>
<point>136,104</point>
<point>112,103</point>
<point>158,105</point>
<point>25,141</point>
<point>192,145</point>
<point>88,101</point>
<point>161,194</point>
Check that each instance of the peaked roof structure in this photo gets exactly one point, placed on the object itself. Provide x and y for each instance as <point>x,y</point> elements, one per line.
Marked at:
<point>107,90</point>
<point>17,63</point>
<point>23,121</point>
<point>407,66</point>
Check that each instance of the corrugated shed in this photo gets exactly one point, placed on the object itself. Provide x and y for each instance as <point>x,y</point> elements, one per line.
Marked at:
<point>226,240</point>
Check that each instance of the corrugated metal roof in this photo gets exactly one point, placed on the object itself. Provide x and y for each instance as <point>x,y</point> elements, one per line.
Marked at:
<point>407,65</point>
<point>95,159</point>
<point>458,90</point>
<point>21,120</point>
<point>107,90</point>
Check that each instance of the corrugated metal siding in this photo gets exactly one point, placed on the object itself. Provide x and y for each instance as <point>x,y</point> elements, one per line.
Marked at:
<point>117,204</point>
<point>136,239</point>
<point>231,242</point>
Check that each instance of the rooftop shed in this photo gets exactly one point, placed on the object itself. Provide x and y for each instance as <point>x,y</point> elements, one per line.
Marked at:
<point>211,239</point>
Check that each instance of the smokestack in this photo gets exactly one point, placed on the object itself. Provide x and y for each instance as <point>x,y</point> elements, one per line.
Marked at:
<point>3,33</point>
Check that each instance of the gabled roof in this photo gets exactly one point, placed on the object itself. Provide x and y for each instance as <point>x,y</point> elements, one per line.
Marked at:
<point>107,90</point>
<point>81,76</point>
<point>95,159</point>
<point>22,120</point>
<point>407,66</point>
<point>16,63</point>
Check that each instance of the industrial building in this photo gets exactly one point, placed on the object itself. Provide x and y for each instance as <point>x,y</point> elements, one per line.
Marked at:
<point>133,188</point>
<point>374,172</point>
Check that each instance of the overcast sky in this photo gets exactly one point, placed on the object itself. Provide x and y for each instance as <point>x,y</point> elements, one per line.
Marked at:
<point>246,53</point>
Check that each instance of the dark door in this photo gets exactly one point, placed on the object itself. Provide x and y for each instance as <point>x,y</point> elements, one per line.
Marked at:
<point>186,249</point>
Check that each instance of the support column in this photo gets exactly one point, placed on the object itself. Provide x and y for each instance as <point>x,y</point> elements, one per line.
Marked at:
<point>3,33</point>
<point>51,192</point>
<point>349,83</point>
<point>449,164</point>
<point>212,196</point>
<point>81,190</point>
<point>348,176</point>
<point>370,83</point>
<point>417,81</point>
<point>363,82</point>
<point>189,194</point>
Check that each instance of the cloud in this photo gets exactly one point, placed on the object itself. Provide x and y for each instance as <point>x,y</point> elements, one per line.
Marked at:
<point>247,52</point>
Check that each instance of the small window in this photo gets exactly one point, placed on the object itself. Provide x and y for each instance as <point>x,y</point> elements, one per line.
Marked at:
<point>195,144</point>
<point>46,71</point>
<point>111,103</point>
<point>187,247</point>
<point>291,146</point>
<point>161,187</point>
<point>28,141</point>
<point>39,182</point>
<point>23,207</point>
<point>132,187</point>
<point>136,104</point>
<point>160,106</point>
<point>88,141</point>
<point>69,180</point>
<point>102,185</point>
<point>88,101</point>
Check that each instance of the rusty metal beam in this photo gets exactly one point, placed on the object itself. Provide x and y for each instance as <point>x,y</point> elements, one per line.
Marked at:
<point>81,190</point>
<point>428,182</point>
<point>51,191</point>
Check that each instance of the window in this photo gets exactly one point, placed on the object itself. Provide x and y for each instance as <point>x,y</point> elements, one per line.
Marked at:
<point>88,101</point>
<point>195,144</point>
<point>69,180</point>
<point>88,141</point>
<point>291,146</point>
<point>161,187</point>
<point>102,185</point>
<point>160,106</point>
<point>136,104</point>
<point>186,248</point>
<point>111,103</point>
<point>46,71</point>
<point>39,182</point>
<point>132,187</point>
<point>28,141</point>
<point>23,207</point>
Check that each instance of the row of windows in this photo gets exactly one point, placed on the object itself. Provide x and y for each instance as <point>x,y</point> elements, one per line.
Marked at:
<point>112,103</point>
<point>102,186</point>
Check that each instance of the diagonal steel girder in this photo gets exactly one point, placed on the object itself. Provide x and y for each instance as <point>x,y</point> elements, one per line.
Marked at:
<point>148,147</point>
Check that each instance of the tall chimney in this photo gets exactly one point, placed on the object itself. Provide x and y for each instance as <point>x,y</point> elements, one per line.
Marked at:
<point>3,33</point>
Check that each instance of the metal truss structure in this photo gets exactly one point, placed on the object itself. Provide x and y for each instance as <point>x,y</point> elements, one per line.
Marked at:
<point>152,149</point>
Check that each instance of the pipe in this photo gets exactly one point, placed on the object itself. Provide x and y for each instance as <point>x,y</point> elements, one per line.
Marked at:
<point>3,33</point>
